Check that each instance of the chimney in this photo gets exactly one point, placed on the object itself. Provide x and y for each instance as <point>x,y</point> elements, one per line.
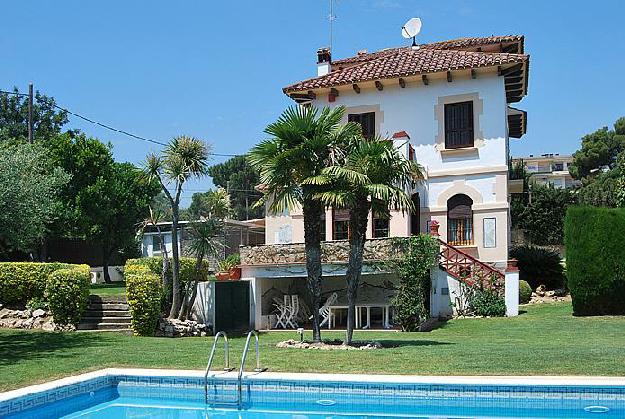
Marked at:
<point>324,61</point>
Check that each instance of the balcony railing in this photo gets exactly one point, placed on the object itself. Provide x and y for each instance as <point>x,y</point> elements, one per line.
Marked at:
<point>460,231</point>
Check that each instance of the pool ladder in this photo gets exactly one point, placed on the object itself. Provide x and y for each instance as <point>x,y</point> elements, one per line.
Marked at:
<point>227,368</point>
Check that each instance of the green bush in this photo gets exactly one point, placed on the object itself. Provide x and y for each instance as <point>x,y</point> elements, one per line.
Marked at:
<point>538,266</point>
<point>416,256</point>
<point>595,238</point>
<point>23,281</point>
<point>144,292</point>
<point>485,302</point>
<point>37,303</point>
<point>67,293</point>
<point>525,292</point>
<point>155,265</point>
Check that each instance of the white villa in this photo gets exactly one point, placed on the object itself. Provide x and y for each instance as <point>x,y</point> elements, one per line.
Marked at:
<point>448,106</point>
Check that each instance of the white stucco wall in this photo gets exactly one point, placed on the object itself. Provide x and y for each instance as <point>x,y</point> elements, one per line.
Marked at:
<point>480,172</point>
<point>146,244</point>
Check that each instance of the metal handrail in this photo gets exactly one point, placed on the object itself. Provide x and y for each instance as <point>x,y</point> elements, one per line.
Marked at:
<point>243,358</point>
<point>212,357</point>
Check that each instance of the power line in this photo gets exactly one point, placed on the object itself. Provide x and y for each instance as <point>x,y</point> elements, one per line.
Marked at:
<point>110,128</point>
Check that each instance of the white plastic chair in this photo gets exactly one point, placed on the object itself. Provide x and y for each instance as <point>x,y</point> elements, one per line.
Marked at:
<point>293,311</point>
<point>282,312</point>
<point>325,312</point>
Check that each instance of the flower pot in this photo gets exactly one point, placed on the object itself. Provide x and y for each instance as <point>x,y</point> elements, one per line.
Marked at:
<point>234,273</point>
<point>222,276</point>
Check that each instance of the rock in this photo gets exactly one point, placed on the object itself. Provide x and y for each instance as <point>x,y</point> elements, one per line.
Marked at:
<point>560,292</point>
<point>540,290</point>
<point>39,313</point>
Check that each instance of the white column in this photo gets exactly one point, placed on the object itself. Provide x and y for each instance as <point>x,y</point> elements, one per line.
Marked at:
<point>512,291</point>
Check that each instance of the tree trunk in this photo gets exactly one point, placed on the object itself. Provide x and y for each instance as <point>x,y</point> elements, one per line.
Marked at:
<point>312,242</point>
<point>191,292</point>
<point>105,263</point>
<point>164,274</point>
<point>358,217</point>
<point>175,271</point>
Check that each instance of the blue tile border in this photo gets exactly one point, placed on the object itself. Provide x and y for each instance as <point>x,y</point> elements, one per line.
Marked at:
<point>264,390</point>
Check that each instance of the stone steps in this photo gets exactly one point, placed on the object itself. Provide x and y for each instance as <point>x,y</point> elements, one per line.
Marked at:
<point>106,313</point>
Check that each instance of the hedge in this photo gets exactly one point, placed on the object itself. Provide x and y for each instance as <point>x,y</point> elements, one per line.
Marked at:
<point>22,281</point>
<point>144,293</point>
<point>67,293</point>
<point>155,265</point>
<point>595,239</point>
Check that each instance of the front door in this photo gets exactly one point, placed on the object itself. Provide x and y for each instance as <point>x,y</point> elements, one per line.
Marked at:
<point>232,306</point>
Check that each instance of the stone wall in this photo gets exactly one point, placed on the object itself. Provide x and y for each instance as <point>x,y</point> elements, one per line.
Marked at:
<point>331,252</point>
<point>29,319</point>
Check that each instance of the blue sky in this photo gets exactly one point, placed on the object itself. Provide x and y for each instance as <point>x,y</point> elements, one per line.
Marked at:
<point>215,70</point>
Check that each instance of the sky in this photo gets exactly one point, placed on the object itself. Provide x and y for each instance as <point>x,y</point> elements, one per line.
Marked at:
<point>215,70</point>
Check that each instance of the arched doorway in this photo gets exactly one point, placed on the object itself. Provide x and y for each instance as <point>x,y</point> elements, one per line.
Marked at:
<point>460,220</point>
<point>415,215</point>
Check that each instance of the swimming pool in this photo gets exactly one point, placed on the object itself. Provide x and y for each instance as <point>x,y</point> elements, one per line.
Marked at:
<point>126,393</point>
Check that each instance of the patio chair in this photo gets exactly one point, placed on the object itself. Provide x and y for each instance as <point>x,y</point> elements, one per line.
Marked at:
<point>324,311</point>
<point>294,311</point>
<point>282,311</point>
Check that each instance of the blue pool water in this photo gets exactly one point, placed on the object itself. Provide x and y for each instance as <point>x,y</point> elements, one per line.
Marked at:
<point>183,397</point>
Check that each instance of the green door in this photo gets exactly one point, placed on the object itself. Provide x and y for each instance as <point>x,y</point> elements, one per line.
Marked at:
<point>232,306</point>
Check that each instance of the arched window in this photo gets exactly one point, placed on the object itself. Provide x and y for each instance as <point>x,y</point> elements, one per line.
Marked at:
<point>415,216</point>
<point>460,220</point>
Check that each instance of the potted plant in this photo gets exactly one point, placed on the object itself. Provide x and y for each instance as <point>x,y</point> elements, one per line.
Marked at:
<point>229,268</point>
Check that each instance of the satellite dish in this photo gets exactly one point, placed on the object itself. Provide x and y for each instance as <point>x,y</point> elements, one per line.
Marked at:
<point>411,29</point>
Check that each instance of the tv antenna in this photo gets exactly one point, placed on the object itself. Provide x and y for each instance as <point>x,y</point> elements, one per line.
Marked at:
<point>331,19</point>
<point>411,29</point>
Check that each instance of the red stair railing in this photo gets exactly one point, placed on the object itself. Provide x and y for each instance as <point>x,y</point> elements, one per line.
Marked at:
<point>468,269</point>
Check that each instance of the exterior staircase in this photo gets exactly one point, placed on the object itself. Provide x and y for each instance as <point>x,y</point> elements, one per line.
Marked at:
<point>468,269</point>
<point>106,313</point>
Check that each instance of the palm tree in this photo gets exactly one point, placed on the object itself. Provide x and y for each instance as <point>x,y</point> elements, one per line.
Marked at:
<point>372,175</point>
<point>183,158</point>
<point>303,142</point>
<point>204,242</point>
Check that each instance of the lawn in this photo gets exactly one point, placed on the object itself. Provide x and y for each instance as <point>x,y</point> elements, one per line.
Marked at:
<point>116,289</point>
<point>545,340</point>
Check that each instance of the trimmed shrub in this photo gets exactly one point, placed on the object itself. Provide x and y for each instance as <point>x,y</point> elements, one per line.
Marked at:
<point>538,266</point>
<point>23,281</point>
<point>67,293</point>
<point>486,302</point>
<point>155,265</point>
<point>525,292</point>
<point>595,238</point>
<point>144,292</point>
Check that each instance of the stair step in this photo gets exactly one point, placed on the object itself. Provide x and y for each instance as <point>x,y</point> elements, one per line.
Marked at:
<point>103,326</point>
<point>107,299</point>
<point>106,313</point>
<point>107,306</point>
<point>125,319</point>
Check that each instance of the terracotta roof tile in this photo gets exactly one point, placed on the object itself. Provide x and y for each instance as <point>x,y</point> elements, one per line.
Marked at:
<point>403,62</point>
<point>453,44</point>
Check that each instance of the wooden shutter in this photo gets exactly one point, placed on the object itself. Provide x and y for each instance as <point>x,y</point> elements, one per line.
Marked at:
<point>366,121</point>
<point>459,125</point>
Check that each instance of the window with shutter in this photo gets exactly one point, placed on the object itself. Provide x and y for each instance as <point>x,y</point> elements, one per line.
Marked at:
<point>366,121</point>
<point>340,224</point>
<point>459,125</point>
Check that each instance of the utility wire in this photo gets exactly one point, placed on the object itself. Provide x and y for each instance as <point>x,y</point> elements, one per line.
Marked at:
<point>110,128</point>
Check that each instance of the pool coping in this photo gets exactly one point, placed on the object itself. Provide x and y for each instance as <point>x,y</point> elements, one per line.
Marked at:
<point>317,377</point>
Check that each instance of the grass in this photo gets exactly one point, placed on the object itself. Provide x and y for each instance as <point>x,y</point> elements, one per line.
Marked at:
<point>116,289</point>
<point>545,340</point>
